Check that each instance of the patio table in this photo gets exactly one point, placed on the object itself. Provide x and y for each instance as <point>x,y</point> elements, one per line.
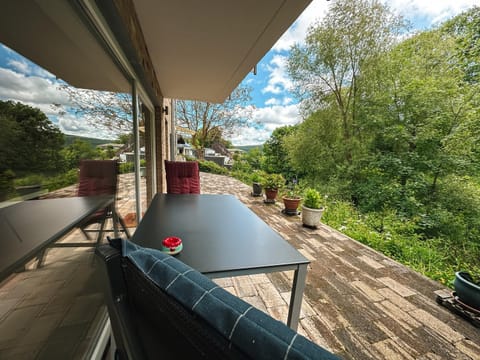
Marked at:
<point>27,228</point>
<point>222,237</point>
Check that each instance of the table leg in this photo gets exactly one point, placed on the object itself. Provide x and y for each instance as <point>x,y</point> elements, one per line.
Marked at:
<point>296,298</point>
<point>115,220</point>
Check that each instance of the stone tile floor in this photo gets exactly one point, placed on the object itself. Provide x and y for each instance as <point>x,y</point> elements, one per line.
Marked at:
<point>357,303</point>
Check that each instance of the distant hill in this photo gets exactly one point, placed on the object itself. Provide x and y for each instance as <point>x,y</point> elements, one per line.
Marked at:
<point>69,139</point>
<point>248,147</point>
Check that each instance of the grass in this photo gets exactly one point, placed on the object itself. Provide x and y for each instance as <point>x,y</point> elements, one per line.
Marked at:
<point>397,239</point>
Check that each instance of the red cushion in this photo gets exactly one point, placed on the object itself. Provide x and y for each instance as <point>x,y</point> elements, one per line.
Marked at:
<point>98,177</point>
<point>183,177</point>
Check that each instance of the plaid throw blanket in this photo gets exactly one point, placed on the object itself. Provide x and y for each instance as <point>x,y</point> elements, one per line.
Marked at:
<point>250,329</point>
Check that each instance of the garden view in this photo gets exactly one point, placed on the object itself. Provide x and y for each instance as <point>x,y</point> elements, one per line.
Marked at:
<point>390,137</point>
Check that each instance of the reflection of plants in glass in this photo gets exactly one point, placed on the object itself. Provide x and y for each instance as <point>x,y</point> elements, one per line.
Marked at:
<point>6,184</point>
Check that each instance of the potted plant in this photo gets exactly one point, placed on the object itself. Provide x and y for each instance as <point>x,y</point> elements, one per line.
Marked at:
<point>291,199</point>
<point>257,184</point>
<point>467,290</point>
<point>271,183</point>
<point>312,208</point>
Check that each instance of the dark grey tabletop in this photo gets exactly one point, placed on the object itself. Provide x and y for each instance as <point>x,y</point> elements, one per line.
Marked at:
<point>219,233</point>
<point>29,226</point>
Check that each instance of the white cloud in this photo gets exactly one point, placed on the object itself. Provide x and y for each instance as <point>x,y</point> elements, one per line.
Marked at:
<point>434,11</point>
<point>250,136</point>
<point>297,32</point>
<point>21,66</point>
<point>274,116</point>
<point>72,125</point>
<point>278,80</point>
<point>272,101</point>
<point>29,89</point>
<point>266,120</point>
<point>42,93</point>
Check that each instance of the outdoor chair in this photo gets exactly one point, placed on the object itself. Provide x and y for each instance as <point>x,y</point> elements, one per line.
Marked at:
<point>97,177</point>
<point>100,177</point>
<point>161,308</point>
<point>183,177</point>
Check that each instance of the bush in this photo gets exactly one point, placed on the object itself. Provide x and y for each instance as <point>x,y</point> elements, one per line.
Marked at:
<point>242,176</point>
<point>32,179</point>
<point>312,199</point>
<point>61,180</point>
<point>273,181</point>
<point>212,167</point>
<point>126,167</point>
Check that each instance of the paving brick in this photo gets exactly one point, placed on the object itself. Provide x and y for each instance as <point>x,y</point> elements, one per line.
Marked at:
<point>392,351</point>
<point>397,287</point>
<point>437,326</point>
<point>396,299</point>
<point>270,295</point>
<point>244,286</point>
<point>17,322</point>
<point>369,292</point>
<point>6,306</point>
<point>402,318</point>
<point>371,262</point>
<point>83,309</point>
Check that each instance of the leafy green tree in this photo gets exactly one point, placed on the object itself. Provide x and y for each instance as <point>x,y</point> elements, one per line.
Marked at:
<point>466,30</point>
<point>314,149</point>
<point>208,120</point>
<point>79,150</point>
<point>420,106</point>
<point>276,156</point>
<point>255,158</point>
<point>34,139</point>
<point>327,70</point>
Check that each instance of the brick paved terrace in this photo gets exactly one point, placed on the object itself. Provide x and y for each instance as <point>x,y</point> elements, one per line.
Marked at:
<point>358,303</point>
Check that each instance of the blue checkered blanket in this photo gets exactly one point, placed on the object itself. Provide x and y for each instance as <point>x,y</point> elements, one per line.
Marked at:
<point>250,329</point>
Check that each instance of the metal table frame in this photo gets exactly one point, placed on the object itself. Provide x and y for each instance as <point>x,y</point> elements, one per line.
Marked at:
<point>28,228</point>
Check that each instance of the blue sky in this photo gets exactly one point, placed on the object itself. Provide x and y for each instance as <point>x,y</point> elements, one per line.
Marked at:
<point>21,80</point>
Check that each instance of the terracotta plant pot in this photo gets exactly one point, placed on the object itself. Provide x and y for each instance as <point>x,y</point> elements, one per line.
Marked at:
<point>271,195</point>
<point>291,205</point>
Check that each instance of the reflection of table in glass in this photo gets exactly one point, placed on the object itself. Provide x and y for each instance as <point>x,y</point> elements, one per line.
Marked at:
<point>28,227</point>
<point>222,237</point>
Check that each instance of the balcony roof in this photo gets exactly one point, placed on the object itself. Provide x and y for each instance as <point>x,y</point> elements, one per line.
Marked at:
<point>199,49</point>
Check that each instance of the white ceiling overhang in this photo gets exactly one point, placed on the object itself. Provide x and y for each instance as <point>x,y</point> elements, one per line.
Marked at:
<point>199,49</point>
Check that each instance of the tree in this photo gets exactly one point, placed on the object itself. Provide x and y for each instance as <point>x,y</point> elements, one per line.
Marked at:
<point>327,70</point>
<point>315,149</point>
<point>208,120</point>
<point>30,142</point>
<point>79,150</point>
<point>418,112</point>
<point>276,157</point>
<point>466,30</point>
<point>101,109</point>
